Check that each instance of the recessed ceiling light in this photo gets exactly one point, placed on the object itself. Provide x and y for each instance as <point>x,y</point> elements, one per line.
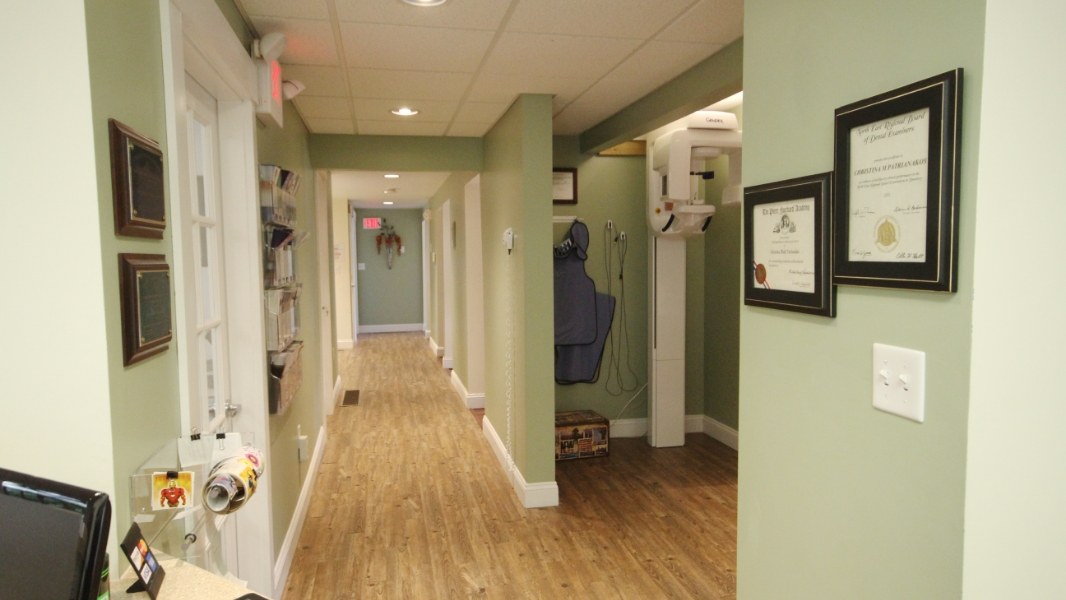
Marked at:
<point>390,191</point>
<point>404,111</point>
<point>387,203</point>
<point>392,176</point>
<point>424,3</point>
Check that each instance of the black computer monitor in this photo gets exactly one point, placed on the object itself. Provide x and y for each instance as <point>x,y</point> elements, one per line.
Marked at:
<point>53,538</point>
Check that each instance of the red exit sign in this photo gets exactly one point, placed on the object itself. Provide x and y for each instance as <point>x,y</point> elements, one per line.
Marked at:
<point>372,223</point>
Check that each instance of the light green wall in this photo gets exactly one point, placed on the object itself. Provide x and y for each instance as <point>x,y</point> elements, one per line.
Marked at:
<point>125,65</point>
<point>390,296</point>
<point>288,148</point>
<point>611,188</point>
<point>837,499</point>
<point>516,193</point>
<point>1015,492</point>
<point>720,342</point>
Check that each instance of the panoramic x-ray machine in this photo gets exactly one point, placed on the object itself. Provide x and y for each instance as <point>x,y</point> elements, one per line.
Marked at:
<point>676,213</point>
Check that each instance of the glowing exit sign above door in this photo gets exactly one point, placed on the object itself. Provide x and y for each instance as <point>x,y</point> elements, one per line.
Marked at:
<point>372,223</point>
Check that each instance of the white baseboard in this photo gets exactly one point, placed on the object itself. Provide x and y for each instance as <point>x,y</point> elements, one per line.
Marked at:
<point>723,433</point>
<point>338,391</point>
<point>447,362</point>
<point>393,328</point>
<point>296,524</point>
<point>469,400</point>
<point>437,349</point>
<point>532,495</point>
<point>345,344</point>
<point>630,428</point>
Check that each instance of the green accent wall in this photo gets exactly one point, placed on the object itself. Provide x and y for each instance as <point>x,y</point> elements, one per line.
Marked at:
<point>837,499</point>
<point>516,193</point>
<point>390,296</point>
<point>287,147</point>
<point>125,66</point>
<point>611,187</point>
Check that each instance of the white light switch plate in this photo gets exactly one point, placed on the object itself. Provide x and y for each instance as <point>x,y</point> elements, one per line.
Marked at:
<point>899,381</point>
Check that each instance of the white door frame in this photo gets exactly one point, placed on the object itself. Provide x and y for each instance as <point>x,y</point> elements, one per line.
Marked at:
<point>448,255</point>
<point>353,268</point>
<point>475,296</point>
<point>427,251</point>
<point>197,40</point>
<point>330,381</point>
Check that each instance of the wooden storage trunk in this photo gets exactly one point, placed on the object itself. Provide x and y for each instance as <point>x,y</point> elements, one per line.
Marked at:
<point>580,434</point>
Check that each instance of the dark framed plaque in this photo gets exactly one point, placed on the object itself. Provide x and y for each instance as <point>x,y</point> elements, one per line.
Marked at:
<point>564,186</point>
<point>144,281</point>
<point>786,245</point>
<point>896,163</point>
<point>137,183</point>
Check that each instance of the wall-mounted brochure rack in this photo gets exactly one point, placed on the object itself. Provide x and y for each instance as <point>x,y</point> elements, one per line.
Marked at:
<point>277,189</point>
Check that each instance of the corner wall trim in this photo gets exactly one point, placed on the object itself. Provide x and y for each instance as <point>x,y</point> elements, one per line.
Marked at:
<point>392,328</point>
<point>629,428</point>
<point>338,391</point>
<point>345,344</point>
<point>470,400</point>
<point>721,432</point>
<point>437,349</point>
<point>292,536</point>
<point>532,495</point>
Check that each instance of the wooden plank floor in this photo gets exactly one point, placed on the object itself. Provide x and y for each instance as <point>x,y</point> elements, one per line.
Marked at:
<point>410,502</point>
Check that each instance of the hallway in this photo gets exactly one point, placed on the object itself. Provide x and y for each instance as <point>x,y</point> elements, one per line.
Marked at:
<point>411,503</point>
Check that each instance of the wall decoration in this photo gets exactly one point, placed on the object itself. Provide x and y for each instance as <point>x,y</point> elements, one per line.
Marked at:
<point>896,221</point>
<point>786,245</point>
<point>137,183</point>
<point>144,281</point>
<point>564,186</point>
<point>391,240</point>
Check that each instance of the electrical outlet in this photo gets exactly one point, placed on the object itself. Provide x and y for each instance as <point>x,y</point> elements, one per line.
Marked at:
<point>899,381</point>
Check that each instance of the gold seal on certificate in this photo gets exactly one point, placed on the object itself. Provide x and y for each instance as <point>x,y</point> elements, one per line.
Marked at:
<point>887,234</point>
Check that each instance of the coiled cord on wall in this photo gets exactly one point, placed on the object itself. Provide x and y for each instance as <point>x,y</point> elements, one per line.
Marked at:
<point>617,347</point>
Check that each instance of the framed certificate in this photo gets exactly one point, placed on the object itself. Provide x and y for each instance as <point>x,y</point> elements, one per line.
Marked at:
<point>144,283</point>
<point>137,182</point>
<point>564,186</point>
<point>786,245</point>
<point>896,161</point>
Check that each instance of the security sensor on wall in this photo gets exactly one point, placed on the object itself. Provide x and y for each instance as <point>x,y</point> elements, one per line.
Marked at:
<point>290,88</point>
<point>269,47</point>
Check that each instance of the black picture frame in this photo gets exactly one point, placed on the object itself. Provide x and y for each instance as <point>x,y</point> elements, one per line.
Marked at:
<point>896,163</point>
<point>137,183</point>
<point>144,283</point>
<point>147,571</point>
<point>787,241</point>
<point>564,185</point>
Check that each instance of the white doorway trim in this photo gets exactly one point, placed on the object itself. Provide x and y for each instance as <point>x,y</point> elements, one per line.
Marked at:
<point>329,380</point>
<point>475,296</point>
<point>353,268</point>
<point>427,249</point>
<point>197,40</point>
<point>448,255</point>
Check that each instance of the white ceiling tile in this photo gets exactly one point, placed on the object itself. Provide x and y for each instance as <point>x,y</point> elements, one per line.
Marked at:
<point>307,42</point>
<point>329,125</point>
<point>464,129</point>
<point>481,112</point>
<point>378,109</point>
<point>417,85</point>
<point>403,48</point>
<point>542,56</point>
<point>395,128</point>
<point>320,81</point>
<point>323,107</point>
<point>658,62</point>
<point>597,18</point>
<point>305,9</point>
<point>710,21</point>
<point>465,14</point>
<point>505,87</point>
<point>601,101</point>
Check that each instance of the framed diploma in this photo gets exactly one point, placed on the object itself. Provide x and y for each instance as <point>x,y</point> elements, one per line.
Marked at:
<point>144,281</point>
<point>564,186</point>
<point>137,183</point>
<point>786,245</point>
<point>896,181</point>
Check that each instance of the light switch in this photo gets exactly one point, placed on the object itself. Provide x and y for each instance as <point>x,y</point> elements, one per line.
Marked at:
<point>361,266</point>
<point>899,381</point>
